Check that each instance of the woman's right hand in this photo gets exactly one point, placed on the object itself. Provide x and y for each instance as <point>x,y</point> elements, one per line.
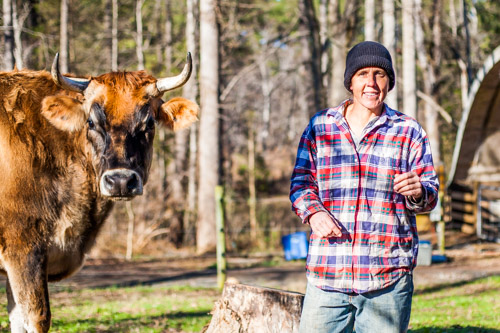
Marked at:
<point>324,225</point>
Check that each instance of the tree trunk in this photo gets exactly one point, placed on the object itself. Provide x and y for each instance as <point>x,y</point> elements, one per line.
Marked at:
<point>250,309</point>
<point>167,37</point>
<point>108,28</point>
<point>252,193</point>
<point>266,96</point>
<point>467,43</point>
<point>8,54</point>
<point>64,39</point>
<point>339,26</point>
<point>324,40</point>
<point>190,212</point>
<point>389,40</point>
<point>157,23</point>
<point>370,20</point>
<point>464,80</point>
<point>114,36</point>
<point>176,170</point>
<point>190,91</point>
<point>139,37</point>
<point>431,123</point>
<point>209,126</point>
<point>409,67</point>
<point>130,230</point>
<point>311,57</point>
<point>18,19</point>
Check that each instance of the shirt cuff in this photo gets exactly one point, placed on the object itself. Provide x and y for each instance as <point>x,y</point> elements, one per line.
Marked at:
<point>311,210</point>
<point>413,204</point>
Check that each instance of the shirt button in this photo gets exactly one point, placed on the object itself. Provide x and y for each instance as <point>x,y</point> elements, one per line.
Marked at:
<point>353,207</point>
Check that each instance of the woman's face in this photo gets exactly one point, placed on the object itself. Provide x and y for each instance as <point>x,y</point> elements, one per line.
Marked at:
<point>369,86</point>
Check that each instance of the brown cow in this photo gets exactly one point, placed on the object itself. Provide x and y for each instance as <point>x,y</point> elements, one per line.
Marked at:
<point>69,147</point>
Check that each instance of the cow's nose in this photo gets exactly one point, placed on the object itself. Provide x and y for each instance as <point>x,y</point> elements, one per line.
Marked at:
<point>121,183</point>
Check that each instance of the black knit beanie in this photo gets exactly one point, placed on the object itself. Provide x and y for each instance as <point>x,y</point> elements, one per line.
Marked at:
<point>368,54</point>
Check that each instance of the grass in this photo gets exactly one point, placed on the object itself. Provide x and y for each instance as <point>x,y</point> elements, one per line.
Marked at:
<point>137,309</point>
<point>465,307</point>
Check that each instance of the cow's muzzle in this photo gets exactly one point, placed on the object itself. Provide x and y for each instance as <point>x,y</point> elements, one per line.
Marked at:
<point>121,184</point>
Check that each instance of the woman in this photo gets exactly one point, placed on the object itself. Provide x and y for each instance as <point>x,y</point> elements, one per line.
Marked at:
<point>363,171</point>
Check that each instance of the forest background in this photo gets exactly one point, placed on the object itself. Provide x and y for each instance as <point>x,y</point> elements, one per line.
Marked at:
<point>261,70</point>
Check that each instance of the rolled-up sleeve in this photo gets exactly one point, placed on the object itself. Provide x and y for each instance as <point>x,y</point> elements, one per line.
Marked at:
<point>304,186</point>
<point>421,163</point>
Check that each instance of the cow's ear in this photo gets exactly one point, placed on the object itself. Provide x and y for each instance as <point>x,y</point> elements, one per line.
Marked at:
<point>178,113</point>
<point>65,113</point>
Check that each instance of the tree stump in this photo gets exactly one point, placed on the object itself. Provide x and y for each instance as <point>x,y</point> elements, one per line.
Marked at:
<point>251,309</point>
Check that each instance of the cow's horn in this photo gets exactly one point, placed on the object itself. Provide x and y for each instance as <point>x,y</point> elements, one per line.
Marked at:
<point>170,83</point>
<point>73,84</point>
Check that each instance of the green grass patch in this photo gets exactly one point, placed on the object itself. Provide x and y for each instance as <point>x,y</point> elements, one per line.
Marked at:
<point>463,307</point>
<point>137,309</point>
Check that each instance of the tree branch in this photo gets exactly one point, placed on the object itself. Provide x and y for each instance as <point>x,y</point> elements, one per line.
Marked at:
<point>442,112</point>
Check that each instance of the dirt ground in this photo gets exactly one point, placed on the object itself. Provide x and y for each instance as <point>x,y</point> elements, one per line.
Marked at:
<point>467,259</point>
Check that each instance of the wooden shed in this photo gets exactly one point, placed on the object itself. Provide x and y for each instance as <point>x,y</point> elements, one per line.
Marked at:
<point>474,181</point>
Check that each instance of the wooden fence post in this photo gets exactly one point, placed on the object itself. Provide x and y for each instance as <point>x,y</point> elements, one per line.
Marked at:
<point>221,237</point>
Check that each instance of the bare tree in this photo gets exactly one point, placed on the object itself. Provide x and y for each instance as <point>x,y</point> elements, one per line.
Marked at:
<point>324,40</point>
<point>409,65</point>
<point>389,40</point>
<point>64,38</point>
<point>313,98</point>
<point>190,91</point>
<point>176,168</point>
<point>209,126</point>
<point>167,36</point>
<point>340,22</point>
<point>8,54</point>
<point>429,80</point>
<point>455,18</point>
<point>267,87</point>
<point>157,21</point>
<point>139,35</point>
<point>108,18</point>
<point>111,28</point>
<point>370,20</point>
<point>18,19</point>
<point>114,35</point>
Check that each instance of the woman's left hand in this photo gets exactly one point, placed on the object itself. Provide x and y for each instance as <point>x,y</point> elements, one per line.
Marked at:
<point>408,184</point>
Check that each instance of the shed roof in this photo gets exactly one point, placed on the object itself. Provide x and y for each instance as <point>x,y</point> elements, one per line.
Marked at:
<point>476,156</point>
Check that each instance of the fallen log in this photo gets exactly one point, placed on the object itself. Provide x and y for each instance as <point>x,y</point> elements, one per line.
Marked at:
<point>252,309</point>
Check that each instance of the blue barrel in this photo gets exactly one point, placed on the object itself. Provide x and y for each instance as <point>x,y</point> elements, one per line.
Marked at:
<point>295,245</point>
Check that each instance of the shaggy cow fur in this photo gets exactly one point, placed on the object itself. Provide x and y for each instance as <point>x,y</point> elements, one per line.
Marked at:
<point>55,148</point>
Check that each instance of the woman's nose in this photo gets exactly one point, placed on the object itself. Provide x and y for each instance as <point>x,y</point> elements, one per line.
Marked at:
<point>371,80</point>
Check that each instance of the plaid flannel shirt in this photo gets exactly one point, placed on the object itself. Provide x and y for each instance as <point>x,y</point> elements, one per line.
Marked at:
<point>379,240</point>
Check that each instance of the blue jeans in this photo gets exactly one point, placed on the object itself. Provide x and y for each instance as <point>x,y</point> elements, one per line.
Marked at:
<point>385,311</point>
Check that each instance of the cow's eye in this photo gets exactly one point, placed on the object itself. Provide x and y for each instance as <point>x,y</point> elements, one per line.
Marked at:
<point>91,124</point>
<point>150,124</point>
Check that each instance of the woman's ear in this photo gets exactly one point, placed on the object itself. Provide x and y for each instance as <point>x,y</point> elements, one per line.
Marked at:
<point>178,113</point>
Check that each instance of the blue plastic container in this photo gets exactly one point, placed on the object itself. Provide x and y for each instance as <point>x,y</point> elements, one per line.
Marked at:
<point>295,245</point>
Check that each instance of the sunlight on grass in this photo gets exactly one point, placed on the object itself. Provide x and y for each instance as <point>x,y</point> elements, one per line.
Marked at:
<point>139,309</point>
<point>470,307</point>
